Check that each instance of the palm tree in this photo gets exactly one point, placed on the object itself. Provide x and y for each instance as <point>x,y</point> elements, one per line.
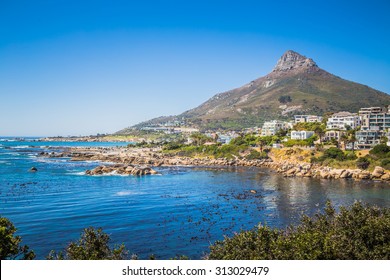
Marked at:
<point>344,139</point>
<point>320,132</point>
<point>352,139</point>
<point>262,142</point>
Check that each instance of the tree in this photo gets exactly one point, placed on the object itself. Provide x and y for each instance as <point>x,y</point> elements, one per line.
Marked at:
<point>344,140</point>
<point>358,232</point>
<point>261,141</point>
<point>334,153</point>
<point>352,139</point>
<point>199,138</point>
<point>320,131</point>
<point>92,245</point>
<point>363,163</point>
<point>380,151</point>
<point>284,99</point>
<point>10,247</point>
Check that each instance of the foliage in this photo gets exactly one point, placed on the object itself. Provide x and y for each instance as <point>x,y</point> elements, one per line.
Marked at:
<point>284,99</point>
<point>385,163</point>
<point>10,247</point>
<point>317,127</point>
<point>363,163</point>
<point>92,245</point>
<point>256,155</point>
<point>199,138</point>
<point>306,142</point>
<point>172,146</point>
<point>357,232</point>
<point>334,153</point>
<point>380,151</point>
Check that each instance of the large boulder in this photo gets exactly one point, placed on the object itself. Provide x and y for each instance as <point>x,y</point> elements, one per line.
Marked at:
<point>364,175</point>
<point>385,177</point>
<point>345,174</point>
<point>378,172</point>
<point>121,169</point>
<point>324,174</point>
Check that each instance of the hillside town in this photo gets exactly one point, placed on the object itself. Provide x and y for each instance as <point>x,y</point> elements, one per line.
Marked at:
<point>362,130</point>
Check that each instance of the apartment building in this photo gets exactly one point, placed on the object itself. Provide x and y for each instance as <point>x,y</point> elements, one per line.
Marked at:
<point>342,120</point>
<point>272,127</point>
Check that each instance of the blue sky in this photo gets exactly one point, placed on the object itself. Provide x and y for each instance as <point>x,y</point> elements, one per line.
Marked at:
<point>87,67</point>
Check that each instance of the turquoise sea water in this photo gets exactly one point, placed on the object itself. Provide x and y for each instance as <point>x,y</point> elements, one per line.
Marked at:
<point>181,211</point>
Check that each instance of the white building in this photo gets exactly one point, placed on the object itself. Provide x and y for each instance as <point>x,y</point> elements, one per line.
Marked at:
<point>333,134</point>
<point>342,120</point>
<point>301,135</point>
<point>272,127</point>
<point>307,118</point>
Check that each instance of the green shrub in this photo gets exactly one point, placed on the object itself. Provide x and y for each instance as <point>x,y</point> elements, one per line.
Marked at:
<point>385,163</point>
<point>363,163</point>
<point>334,153</point>
<point>380,151</point>
<point>256,155</point>
<point>350,156</point>
<point>10,247</point>
<point>360,232</point>
<point>92,245</point>
<point>172,146</point>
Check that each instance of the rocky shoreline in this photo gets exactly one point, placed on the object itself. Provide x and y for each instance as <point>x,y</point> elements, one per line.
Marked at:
<point>138,161</point>
<point>121,169</point>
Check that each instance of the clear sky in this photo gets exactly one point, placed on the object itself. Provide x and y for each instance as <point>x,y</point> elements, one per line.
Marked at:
<point>85,67</point>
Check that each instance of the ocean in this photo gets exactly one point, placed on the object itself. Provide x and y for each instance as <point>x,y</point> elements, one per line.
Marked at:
<point>181,211</point>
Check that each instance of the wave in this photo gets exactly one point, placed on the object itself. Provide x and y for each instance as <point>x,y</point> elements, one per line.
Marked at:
<point>20,147</point>
<point>77,173</point>
<point>113,173</point>
<point>126,193</point>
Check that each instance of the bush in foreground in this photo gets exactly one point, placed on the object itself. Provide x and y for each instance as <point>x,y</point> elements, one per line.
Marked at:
<point>357,232</point>
<point>10,247</point>
<point>92,245</point>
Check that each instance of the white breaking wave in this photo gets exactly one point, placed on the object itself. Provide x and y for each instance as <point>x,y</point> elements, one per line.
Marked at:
<point>77,173</point>
<point>125,193</point>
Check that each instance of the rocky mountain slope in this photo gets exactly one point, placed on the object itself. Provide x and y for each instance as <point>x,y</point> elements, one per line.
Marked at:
<point>296,85</point>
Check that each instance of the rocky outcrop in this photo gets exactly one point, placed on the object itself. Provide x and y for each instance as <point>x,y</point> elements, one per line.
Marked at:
<point>133,162</point>
<point>291,60</point>
<point>323,172</point>
<point>121,169</point>
<point>378,172</point>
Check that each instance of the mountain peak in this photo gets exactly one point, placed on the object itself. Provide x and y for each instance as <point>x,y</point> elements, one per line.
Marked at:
<point>292,60</point>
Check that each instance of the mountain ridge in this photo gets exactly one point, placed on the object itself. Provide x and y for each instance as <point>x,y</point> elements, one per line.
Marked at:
<point>296,85</point>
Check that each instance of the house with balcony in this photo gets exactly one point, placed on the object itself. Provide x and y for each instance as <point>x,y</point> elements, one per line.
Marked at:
<point>301,135</point>
<point>307,118</point>
<point>272,127</point>
<point>343,120</point>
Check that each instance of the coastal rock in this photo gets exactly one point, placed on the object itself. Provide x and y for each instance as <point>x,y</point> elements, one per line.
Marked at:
<point>121,169</point>
<point>364,175</point>
<point>324,174</point>
<point>378,172</point>
<point>385,177</point>
<point>345,174</point>
<point>336,173</point>
<point>292,171</point>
